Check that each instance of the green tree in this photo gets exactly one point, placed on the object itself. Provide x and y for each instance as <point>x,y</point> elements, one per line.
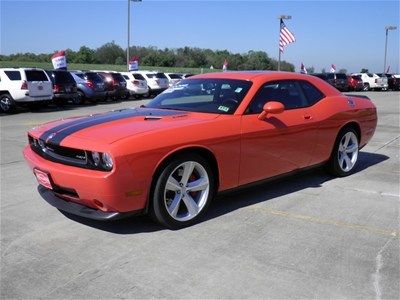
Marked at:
<point>85,55</point>
<point>363,70</point>
<point>119,61</point>
<point>344,71</point>
<point>108,53</point>
<point>310,70</point>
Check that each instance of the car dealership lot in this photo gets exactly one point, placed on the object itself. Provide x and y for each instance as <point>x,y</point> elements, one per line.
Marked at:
<point>306,236</point>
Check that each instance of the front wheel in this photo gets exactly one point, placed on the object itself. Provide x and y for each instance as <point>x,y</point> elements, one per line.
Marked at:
<point>182,192</point>
<point>345,153</point>
<point>366,86</point>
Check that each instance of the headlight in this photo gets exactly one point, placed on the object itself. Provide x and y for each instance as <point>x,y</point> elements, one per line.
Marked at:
<point>96,158</point>
<point>107,161</point>
<point>101,161</point>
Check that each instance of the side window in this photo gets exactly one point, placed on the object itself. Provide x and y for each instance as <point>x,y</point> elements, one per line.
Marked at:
<point>312,94</point>
<point>13,75</point>
<point>126,77</point>
<point>289,93</point>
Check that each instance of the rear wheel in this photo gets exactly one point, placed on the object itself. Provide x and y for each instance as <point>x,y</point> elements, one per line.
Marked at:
<point>182,192</point>
<point>7,103</point>
<point>366,86</point>
<point>345,153</point>
<point>79,98</point>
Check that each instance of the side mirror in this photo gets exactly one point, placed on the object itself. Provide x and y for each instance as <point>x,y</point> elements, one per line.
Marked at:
<point>271,107</point>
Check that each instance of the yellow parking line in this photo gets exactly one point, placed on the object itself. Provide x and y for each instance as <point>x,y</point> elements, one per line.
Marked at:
<point>286,214</point>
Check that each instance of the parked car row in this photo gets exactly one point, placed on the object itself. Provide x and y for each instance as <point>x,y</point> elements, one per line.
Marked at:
<point>361,81</point>
<point>37,87</point>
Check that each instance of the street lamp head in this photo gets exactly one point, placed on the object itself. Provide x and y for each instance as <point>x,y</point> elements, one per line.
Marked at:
<point>285,17</point>
<point>391,27</point>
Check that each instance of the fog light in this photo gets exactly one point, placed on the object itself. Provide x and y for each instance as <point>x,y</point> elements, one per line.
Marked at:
<point>98,203</point>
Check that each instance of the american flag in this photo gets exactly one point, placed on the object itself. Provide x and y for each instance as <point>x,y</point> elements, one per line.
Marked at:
<point>285,36</point>
<point>303,69</point>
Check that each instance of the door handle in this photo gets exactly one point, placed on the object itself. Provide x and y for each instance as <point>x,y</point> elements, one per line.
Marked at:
<point>307,117</point>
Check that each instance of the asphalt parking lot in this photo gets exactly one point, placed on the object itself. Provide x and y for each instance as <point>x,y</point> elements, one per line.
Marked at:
<point>306,236</point>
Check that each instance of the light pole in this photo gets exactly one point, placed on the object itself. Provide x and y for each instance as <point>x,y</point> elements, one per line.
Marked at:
<point>129,31</point>
<point>387,30</point>
<point>281,17</point>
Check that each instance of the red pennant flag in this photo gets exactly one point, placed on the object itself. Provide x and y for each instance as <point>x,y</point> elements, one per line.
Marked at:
<point>225,65</point>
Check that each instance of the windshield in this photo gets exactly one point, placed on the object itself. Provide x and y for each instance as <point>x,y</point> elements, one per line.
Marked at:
<point>219,96</point>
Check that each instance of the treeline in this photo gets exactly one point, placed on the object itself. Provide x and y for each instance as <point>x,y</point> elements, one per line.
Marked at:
<point>111,53</point>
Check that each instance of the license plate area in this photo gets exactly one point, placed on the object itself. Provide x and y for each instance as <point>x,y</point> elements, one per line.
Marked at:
<point>43,178</point>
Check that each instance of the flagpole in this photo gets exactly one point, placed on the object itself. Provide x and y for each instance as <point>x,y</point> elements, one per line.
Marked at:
<point>279,49</point>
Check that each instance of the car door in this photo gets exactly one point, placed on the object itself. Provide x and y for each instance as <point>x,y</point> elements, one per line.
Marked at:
<point>281,142</point>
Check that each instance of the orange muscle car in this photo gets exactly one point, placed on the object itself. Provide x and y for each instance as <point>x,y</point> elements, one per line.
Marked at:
<point>207,134</point>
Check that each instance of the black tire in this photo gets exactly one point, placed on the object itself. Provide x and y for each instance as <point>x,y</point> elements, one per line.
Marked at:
<point>7,104</point>
<point>366,86</point>
<point>345,152</point>
<point>161,196</point>
<point>79,98</point>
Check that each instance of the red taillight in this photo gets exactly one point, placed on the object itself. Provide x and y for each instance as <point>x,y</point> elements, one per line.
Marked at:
<point>24,85</point>
<point>89,84</point>
<point>56,88</point>
<point>135,82</point>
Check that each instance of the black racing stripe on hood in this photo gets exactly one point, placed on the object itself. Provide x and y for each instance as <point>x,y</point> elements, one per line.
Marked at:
<point>56,134</point>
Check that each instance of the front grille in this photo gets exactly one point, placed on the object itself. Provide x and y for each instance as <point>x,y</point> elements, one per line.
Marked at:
<point>64,155</point>
<point>60,154</point>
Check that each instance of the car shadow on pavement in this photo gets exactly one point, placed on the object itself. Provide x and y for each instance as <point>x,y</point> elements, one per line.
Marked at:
<point>233,200</point>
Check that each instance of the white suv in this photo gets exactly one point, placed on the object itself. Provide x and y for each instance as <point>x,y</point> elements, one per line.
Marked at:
<point>173,78</point>
<point>20,86</point>
<point>373,81</point>
<point>156,81</point>
<point>136,84</point>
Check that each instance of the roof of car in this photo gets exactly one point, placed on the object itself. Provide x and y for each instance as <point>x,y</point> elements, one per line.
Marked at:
<point>249,75</point>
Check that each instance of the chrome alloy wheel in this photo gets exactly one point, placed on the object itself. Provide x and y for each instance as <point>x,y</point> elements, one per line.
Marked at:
<point>348,151</point>
<point>186,191</point>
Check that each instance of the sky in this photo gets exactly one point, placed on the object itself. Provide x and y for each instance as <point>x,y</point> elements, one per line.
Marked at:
<point>349,34</point>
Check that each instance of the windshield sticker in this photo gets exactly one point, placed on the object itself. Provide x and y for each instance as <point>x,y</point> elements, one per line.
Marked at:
<point>223,108</point>
<point>238,90</point>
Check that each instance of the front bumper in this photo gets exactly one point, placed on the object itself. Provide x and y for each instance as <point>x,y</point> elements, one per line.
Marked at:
<point>81,210</point>
<point>118,191</point>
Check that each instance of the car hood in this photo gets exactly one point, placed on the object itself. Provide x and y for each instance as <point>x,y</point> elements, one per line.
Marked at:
<point>110,127</point>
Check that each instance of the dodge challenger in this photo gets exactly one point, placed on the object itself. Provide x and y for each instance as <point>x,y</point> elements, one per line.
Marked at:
<point>207,134</point>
